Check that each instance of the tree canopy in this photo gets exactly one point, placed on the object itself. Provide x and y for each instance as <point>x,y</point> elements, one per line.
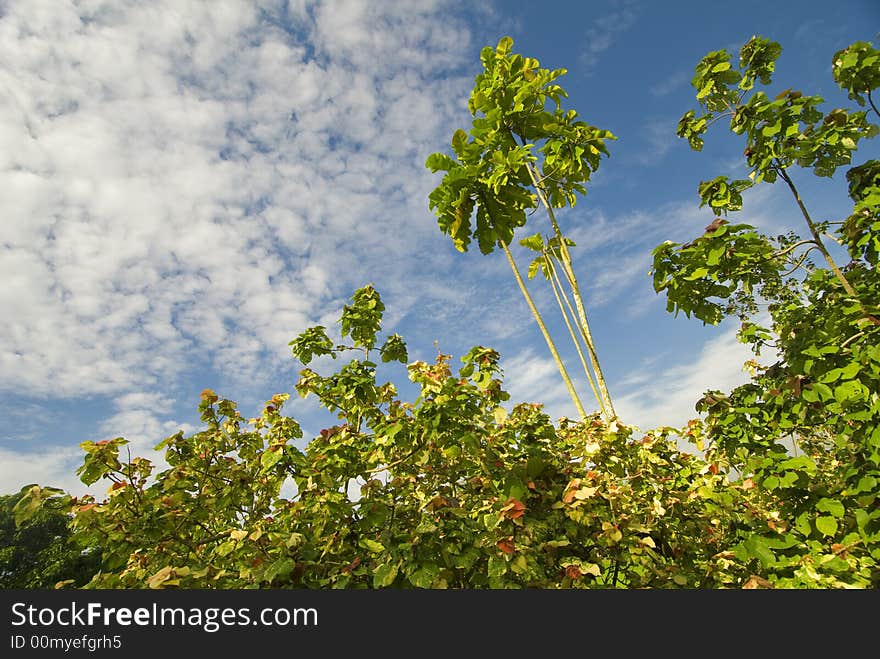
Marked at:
<point>37,547</point>
<point>459,489</point>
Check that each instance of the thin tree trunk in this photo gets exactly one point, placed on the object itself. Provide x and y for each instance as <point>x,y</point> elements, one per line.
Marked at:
<point>559,363</point>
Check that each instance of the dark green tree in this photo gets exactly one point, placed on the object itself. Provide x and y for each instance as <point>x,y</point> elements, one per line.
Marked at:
<point>40,552</point>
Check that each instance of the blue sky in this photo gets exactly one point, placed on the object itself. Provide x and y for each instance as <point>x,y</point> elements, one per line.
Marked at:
<point>187,186</point>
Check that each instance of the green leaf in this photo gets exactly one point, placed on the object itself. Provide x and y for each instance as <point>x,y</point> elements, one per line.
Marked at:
<point>440,162</point>
<point>534,242</point>
<point>500,415</point>
<point>425,576</point>
<point>371,545</point>
<point>280,569</point>
<point>452,452</point>
<point>826,525</point>
<point>519,564</point>
<point>758,548</point>
<point>866,484</point>
<point>831,506</point>
<point>849,391</point>
<point>800,463</point>
<point>697,274</point>
<point>394,349</point>
<point>535,267</point>
<point>497,566</point>
<point>823,391</point>
<point>771,130</point>
<point>271,457</point>
<point>384,575</point>
<point>459,140</point>
<point>802,523</point>
<point>28,504</point>
<point>714,255</point>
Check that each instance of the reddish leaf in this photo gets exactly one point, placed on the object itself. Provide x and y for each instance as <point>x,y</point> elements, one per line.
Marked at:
<point>506,545</point>
<point>755,582</point>
<point>715,224</point>
<point>351,566</point>
<point>573,572</point>
<point>571,489</point>
<point>513,509</point>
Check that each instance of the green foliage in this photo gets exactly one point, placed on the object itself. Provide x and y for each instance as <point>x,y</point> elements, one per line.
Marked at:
<point>461,489</point>
<point>519,119</point>
<point>362,318</point>
<point>452,490</point>
<point>856,69</point>
<point>36,546</point>
<point>804,434</point>
<point>720,273</point>
<point>779,132</point>
<point>523,147</point>
<point>314,342</point>
<point>861,230</point>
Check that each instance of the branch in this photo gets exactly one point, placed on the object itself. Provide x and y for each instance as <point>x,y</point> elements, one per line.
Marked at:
<point>871,101</point>
<point>851,339</point>
<point>800,261</point>
<point>791,248</point>
<point>819,244</point>
<point>568,270</point>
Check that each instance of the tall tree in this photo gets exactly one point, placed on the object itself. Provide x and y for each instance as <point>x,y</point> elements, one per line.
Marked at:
<point>524,148</point>
<point>815,521</point>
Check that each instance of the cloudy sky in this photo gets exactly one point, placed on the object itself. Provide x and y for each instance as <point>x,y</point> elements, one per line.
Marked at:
<point>187,185</point>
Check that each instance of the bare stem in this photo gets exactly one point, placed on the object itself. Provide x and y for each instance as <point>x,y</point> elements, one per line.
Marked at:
<point>791,248</point>
<point>566,309</point>
<point>607,405</point>
<point>550,344</point>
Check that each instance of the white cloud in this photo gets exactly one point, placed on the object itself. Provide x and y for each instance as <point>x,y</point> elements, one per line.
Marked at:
<point>54,467</point>
<point>190,183</point>
<point>186,174</point>
<point>671,83</point>
<point>529,378</point>
<point>602,33</point>
<point>658,138</point>
<point>659,396</point>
